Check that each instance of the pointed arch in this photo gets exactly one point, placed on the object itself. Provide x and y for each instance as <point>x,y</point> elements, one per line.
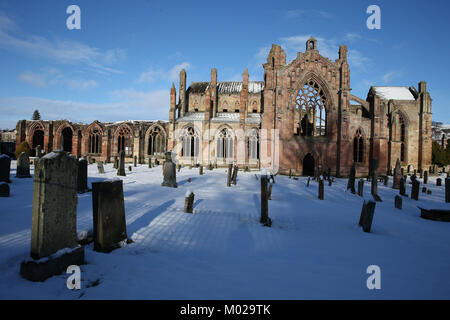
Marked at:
<point>358,146</point>
<point>36,134</point>
<point>123,139</point>
<point>93,138</point>
<point>155,140</point>
<point>64,136</point>
<point>225,143</point>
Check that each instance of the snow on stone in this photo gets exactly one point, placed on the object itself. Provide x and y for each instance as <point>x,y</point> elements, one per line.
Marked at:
<point>4,156</point>
<point>394,93</point>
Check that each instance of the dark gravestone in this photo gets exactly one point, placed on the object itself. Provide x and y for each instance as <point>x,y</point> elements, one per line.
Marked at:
<point>135,161</point>
<point>398,202</point>
<point>424,189</point>
<point>415,190</point>
<point>425,177</point>
<point>130,168</point>
<point>374,182</point>
<point>230,167</point>
<point>320,189</point>
<point>330,182</point>
<point>351,179</point>
<point>367,213</point>
<point>438,182</point>
<point>82,179</point>
<point>246,169</point>
<point>116,163</point>
<point>23,166</point>
<point>428,191</point>
<point>447,190</point>
<point>403,187</point>
<point>386,180</point>
<point>5,168</point>
<point>100,167</point>
<point>265,220</point>
<point>421,174</point>
<point>149,163</point>
<point>402,172</point>
<point>235,173</point>
<point>169,172</point>
<point>309,180</point>
<point>189,202</point>
<point>329,173</point>
<point>200,170</point>
<point>360,187</point>
<point>4,190</point>
<point>290,173</point>
<point>109,215</point>
<point>210,167</point>
<point>121,166</point>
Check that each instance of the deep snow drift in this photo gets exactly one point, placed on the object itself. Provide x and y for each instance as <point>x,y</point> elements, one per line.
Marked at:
<point>314,250</point>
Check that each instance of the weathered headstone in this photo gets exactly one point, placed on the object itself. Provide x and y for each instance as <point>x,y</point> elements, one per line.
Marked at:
<point>420,174</point>
<point>329,174</point>
<point>320,189</point>
<point>402,172</point>
<point>265,220</point>
<point>425,177</point>
<point>100,167</point>
<point>210,166</point>
<point>38,151</point>
<point>447,190</point>
<point>438,182</point>
<point>415,190</point>
<point>424,189</point>
<point>4,190</point>
<point>360,187</point>
<point>309,180</point>
<point>135,161</point>
<point>189,202</point>
<point>23,166</point>
<point>290,173</point>
<point>116,163</point>
<point>403,187</point>
<point>108,215</point>
<point>54,225</point>
<point>374,182</point>
<point>351,179</point>
<point>386,180</point>
<point>230,167</point>
<point>367,213</point>
<point>121,166</point>
<point>235,173</point>
<point>428,191</point>
<point>149,163</point>
<point>82,177</point>
<point>330,182</point>
<point>200,170</point>
<point>169,172</point>
<point>5,168</point>
<point>398,202</point>
<point>130,168</point>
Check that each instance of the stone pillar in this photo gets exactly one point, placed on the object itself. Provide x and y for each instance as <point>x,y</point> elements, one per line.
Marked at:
<point>82,180</point>
<point>54,225</point>
<point>108,215</point>
<point>5,168</point>
<point>23,166</point>
<point>121,169</point>
<point>374,182</point>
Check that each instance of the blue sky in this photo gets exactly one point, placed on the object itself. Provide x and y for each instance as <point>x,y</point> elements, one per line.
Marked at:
<point>122,62</point>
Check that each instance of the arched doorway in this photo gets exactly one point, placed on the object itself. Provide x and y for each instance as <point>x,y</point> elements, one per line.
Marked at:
<point>308,165</point>
<point>38,139</point>
<point>66,139</point>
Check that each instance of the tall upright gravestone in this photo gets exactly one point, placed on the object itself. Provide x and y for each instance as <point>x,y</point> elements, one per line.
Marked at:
<point>116,163</point>
<point>82,176</point>
<point>23,166</point>
<point>5,168</point>
<point>265,220</point>
<point>100,167</point>
<point>108,215</point>
<point>230,168</point>
<point>425,177</point>
<point>54,221</point>
<point>397,175</point>
<point>169,172</point>
<point>121,167</point>
<point>415,189</point>
<point>447,190</point>
<point>351,179</point>
<point>374,189</point>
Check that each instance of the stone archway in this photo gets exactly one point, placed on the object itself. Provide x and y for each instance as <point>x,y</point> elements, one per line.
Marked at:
<point>308,165</point>
<point>66,139</point>
<point>38,139</point>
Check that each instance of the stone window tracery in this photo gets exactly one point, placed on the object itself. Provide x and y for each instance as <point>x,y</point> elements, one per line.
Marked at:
<point>311,109</point>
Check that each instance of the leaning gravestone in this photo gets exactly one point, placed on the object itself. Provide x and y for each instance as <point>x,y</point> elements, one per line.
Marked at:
<point>121,167</point>
<point>54,244</point>
<point>307,183</point>
<point>5,168</point>
<point>100,167</point>
<point>82,181</point>
<point>169,172</point>
<point>235,173</point>
<point>135,161</point>
<point>150,163</point>
<point>403,187</point>
<point>366,217</point>
<point>4,190</point>
<point>351,179</point>
<point>415,190</point>
<point>23,166</point>
<point>398,202</point>
<point>109,215</point>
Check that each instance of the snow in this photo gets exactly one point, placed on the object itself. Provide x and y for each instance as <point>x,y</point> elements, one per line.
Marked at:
<point>4,156</point>
<point>394,93</point>
<point>314,249</point>
<point>51,155</point>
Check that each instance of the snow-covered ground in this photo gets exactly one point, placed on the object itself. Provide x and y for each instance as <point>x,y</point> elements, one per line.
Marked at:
<point>314,250</point>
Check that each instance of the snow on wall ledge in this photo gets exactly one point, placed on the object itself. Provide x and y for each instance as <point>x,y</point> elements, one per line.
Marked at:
<point>394,93</point>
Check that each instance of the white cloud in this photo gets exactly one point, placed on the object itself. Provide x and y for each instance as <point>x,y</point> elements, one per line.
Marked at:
<point>33,79</point>
<point>172,75</point>
<point>389,76</point>
<point>49,77</point>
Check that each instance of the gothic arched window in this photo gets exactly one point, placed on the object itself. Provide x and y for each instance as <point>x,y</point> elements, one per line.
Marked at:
<point>253,145</point>
<point>225,144</point>
<point>95,141</point>
<point>189,143</point>
<point>358,147</point>
<point>311,109</point>
<point>156,142</point>
<point>125,141</point>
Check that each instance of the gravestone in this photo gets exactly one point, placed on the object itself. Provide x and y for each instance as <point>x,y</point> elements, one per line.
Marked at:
<point>5,168</point>
<point>374,182</point>
<point>23,166</point>
<point>4,190</point>
<point>398,202</point>
<point>149,163</point>
<point>235,173</point>
<point>415,190</point>
<point>200,170</point>
<point>130,168</point>
<point>309,180</point>
<point>360,187</point>
<point>246,169</point>
<point>100,167</point>
<point>189,202</point>
<point>54,215</point>
<point>425,177</point>
<point>402,172</point>
<point>447,190</point>
<point>386,180</point>
<point>169,172</point>
<point>121,166</point>
<point>210,166</point>
<point>438,182</point>
<point>428,191</point>
<point>82,177</point>
<point>265,220</point>
<point>290,173</point>
<point>366,217</point>
<point>329,173</point>
<point>116,163</point>
<point>409,168</point>
<point>230,167</point>
<point>424,189</point>
<point>351,179</point>
<point>38,151</point>
<point>330,182</point>
<point>135,161</point>
<point>320,189</point>
<point>420,174</point>
<point>403,187</point>
<point>108,215</point>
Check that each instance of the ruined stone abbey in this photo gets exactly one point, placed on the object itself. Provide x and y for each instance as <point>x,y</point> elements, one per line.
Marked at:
<point>301,116</point>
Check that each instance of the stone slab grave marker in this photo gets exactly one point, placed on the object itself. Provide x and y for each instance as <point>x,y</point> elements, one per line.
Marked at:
<point>415,190</point>
<point>235,173</point>
<point>402,190</point>
<point>135,161</point>
<point>320,188</point>
<point>424,189</point>
<point>398,202</point>
<point>425,177</point>
<point>108,210</point>
<point>230,167</point>
<point>429,192</point>
<point>307,183</point>
<point>374,182</point>
<point>169,172</point>
<point>100,167</point>
<point>5,168</point>
<point>116,163</point>
<point>38,151</point>
<point>150,163</point>
<point>200,170</point>
<point>210,166</point>
<point>23,166</point>
<point>4,190</point>
<point>438,182</point>
<point>290,173</point>
<point>386,180</point>
<point>121,166</point>
<point>447,190</point>
<point>351,179</point>
<point>130,168</point>
<point>54,218</point>
<point>420,174</point>
<point>366,218</point>
<point>360,187</point>
<point>330,182</point>
<point>82,176</point>
<point>265,220</point>
<point>189,202</point>
<point>329,174</point>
